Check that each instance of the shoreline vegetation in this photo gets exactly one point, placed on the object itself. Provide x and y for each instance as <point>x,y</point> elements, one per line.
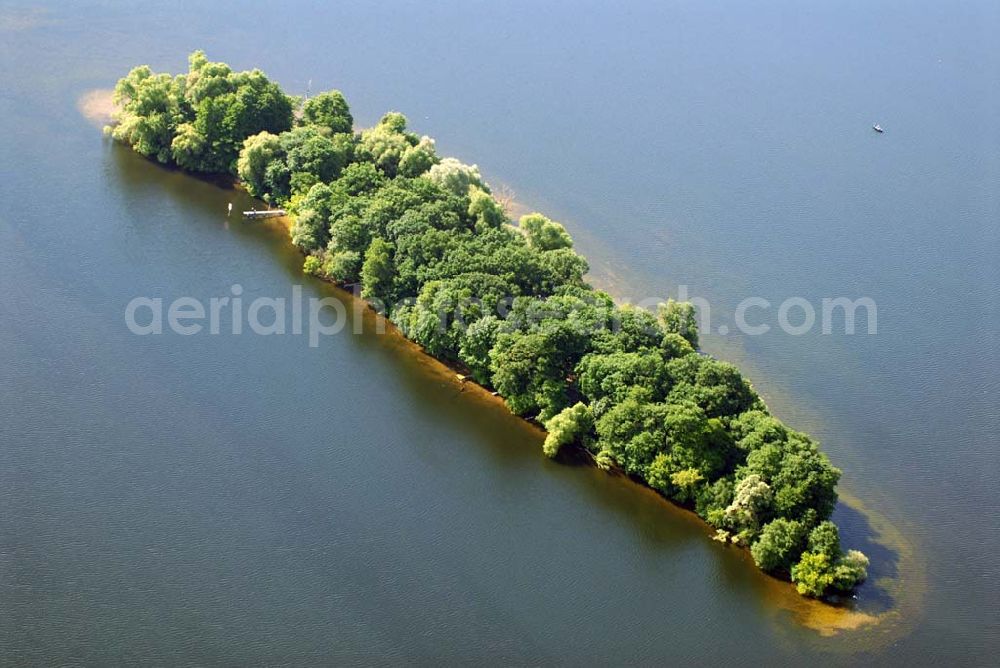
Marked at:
<point>435,251</point>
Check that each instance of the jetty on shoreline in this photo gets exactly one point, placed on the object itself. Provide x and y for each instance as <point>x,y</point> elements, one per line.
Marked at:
<point>265,213</point>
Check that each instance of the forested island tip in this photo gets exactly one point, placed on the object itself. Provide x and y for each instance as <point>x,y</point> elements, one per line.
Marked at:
<point>436,251</point>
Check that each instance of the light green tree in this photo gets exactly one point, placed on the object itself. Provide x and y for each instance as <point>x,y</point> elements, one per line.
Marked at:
<point>377,271</point>
<point>571,425</point>
<point>456,176</point>
<point>543,233</point>
<point>259,151</point>
<point>680,318</point>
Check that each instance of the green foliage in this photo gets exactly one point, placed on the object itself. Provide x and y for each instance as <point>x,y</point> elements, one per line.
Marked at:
<point>361,178</point>
<point>754,429</point>
<point>686,483</point>
<point>434,249</point>
<point>479,339</point>
<point>486,211</point>
<point>752,505</point>
<point>298,160</point>
<point>634,432</point>
<point>824,567</point>
<point>418,159</point>
<point>718,387</point>
<point>813,575</point>
<point>385,144</point>
<point>343,266</point>
<point>680,318</point>
<point>456,177</point>
<point>200,120</point>
<point>712,500</point>
<point>571,425</point>
<point>529,371</point>
<point>543,233</point>
<point>313,265</point>
<point>150,107</point>
<point>779,546</point>
<point>328,110</point>
<point>825,538</point>
<point>801,476</point>
<point>608,378</point>
<point>438,319</point>
<point>310,231</point>
<point>258,152</point>
<point>850,570</point>
<point>377,271</point>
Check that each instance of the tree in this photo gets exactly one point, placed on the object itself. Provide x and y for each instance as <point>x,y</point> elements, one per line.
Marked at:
<point>343,266</point>
<point>439,317</point>
<point>310,231</point>
<point>328,110</point>
<point>418,159</point>
<point>384,144</point>
<point>824,567</point>
<point>259,151</point>
<point>813,575</point>
<point>712,500</point>
<point>825,538</point>
<point>571,425</point>
<point>680,318</point>
<point>686,483</point>
<point>634,432</point>
<point>751,506</point>
<point>348,232</point>
<point>257,104</point>
<point>634,329</point>
<point>779,545</point>
<point>716,386</point>
<point>612,376</point>
<point>206,79</point>
<point>543,233</point>
<point>189,147</point>
<point>305,157</point>
<point>529,371</point>
<point>562,267</point>
<point>850,571</point>
<point>319,155</point>
<point>360,178</point>
<point>475,348</point>
<point>377,271</point>
<point>149,111</point>
<point>754,429</point>
<point>456,177</point>
<point>313,265</point>
<point>487,211</point>
<point>199,120</point>
<point>801,476</point>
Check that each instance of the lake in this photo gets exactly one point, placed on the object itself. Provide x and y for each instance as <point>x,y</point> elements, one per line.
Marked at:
<point>249,500</point>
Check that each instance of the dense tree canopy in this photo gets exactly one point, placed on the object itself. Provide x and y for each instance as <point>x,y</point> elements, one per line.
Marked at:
<point>508,304</point>
<point>201,119</point>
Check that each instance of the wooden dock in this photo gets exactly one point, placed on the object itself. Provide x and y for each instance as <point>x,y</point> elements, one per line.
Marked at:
<point>265,213</point>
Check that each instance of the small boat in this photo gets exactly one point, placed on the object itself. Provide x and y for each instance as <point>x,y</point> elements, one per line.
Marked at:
<point>877,128</point>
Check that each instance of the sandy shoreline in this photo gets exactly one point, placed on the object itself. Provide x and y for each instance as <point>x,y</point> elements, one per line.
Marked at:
<point>97,106</point>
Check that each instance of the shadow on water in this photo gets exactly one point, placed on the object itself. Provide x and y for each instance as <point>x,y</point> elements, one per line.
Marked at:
<point>515,442</point>
<point>875,595</point>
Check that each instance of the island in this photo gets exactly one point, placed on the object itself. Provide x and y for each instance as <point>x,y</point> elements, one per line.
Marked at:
<point>436,251</point>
